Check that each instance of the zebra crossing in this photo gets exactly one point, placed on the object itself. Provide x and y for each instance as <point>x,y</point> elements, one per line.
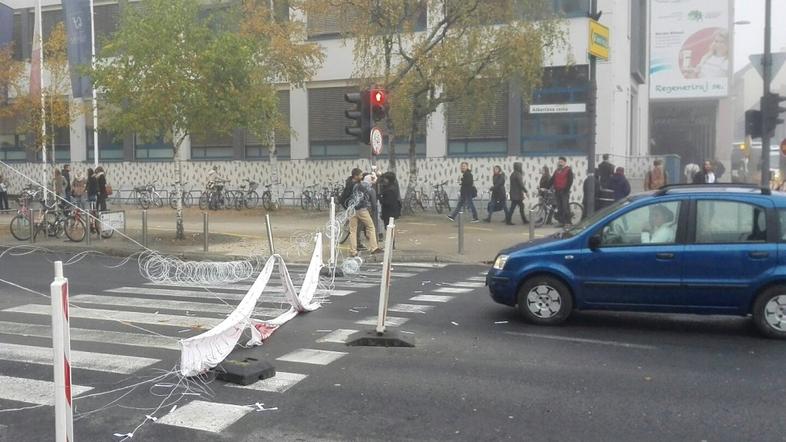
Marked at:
<point>125,316</point>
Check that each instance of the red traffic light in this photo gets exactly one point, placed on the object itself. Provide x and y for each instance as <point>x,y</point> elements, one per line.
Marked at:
<point>378,97</point>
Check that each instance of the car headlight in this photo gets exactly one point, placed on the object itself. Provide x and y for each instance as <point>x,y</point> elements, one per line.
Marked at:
<point>499,263</point>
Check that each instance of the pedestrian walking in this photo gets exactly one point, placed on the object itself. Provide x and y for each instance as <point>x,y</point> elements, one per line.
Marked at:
<point>67,177</point>
<point>361,195</point>
<point>3,193</point>
<point>467,193</point>
<point>389,197</point>
<point>92,188</point>
<point>58,186</point>
<point>78,190</point>
<point>102,188</point>
<point>370,182</point>
<point>561,181</point>
<point>656,177</point>
<point>517,193</point>
<point>498,201</point>
<point>619,184</point>
<point>706,175</point>
<point>605,170</point>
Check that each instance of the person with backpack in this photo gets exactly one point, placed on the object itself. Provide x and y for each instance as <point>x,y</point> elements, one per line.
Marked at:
<point>362,198</point>
<point>517,193</point>
<point>561,181</point>
<point>467,193</point>
<point>498,200</point>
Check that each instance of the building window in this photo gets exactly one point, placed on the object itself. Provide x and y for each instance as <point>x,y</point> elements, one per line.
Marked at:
<point>12,147</point>
<point>558,132</point>
<point>18,48</point>
<point>212,147</point>
<point>473,131</point>
<point>106,19</point>
<point>638,40</point>
<point>572,8</point>
<point>331,24</point>
<point>153,150</point>
<point>259,149</point>
<point>110,147</point>
<point>326,124</point>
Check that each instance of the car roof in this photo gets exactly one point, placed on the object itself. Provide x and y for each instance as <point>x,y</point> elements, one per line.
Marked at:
<point>740,189</point>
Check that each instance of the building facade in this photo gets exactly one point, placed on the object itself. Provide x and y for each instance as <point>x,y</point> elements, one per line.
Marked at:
<point>508,131</point>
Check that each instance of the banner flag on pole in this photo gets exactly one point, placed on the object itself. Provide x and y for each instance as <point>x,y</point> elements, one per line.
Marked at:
<point>6,25</point>
<point>79,23</point>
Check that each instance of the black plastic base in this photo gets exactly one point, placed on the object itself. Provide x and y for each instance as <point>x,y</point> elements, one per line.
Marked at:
<point>370,338</point>
<point>243,369</point>
<point>325,271</point>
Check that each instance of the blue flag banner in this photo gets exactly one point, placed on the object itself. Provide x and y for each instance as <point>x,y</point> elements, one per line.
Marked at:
<point>6,25</point>
<point>78,28</point>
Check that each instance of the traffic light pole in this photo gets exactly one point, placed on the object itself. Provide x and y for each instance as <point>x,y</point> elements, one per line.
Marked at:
<point>766,64</point>
<point>590,189</point>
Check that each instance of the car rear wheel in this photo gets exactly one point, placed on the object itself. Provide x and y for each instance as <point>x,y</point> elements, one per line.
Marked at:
<point>544,300</point>
<point>769,312</point>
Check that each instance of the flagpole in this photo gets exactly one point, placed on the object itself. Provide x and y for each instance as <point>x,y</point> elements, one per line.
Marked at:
<point>40,42</point>
<point>95,98</point>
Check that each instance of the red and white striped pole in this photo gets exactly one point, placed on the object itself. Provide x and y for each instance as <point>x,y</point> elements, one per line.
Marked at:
<point>61,345</point>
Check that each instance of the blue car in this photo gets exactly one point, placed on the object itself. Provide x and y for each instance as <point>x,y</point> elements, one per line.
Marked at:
<point>704,249</point>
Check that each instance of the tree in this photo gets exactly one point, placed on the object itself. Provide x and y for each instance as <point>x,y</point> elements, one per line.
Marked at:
<point>180,67</point>
<point>468,49</point>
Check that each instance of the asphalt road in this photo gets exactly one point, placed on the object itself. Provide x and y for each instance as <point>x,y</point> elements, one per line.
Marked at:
<point>477,372</point>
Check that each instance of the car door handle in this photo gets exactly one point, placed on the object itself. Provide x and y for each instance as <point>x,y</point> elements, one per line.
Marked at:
<point>758,255</point>
<point>664,255</point>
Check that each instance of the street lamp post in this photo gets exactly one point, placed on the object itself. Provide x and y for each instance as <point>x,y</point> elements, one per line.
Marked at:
<point>766,74</point>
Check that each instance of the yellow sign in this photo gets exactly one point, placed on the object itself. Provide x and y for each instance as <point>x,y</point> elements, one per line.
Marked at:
<point>598,40</point>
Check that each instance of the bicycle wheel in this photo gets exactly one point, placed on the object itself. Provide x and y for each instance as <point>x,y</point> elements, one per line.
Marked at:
<point>54,226</point>
<point>342,238</point>
<point>173,200</point>
<point>203,201</point>
<point>188,200</point>
<point>539,215</point>
<point>104,233</point>
<point>75,229</point>
<point>144,201</point>
<point>423,202</point>
<point>267,200</point>
<point>20,227</point>
<point>157,200</point>
<point>576,212</point>
<point>439,203</point>
<point>238,200</point>
<point>305,199</point>
<point>251,200</point>
<point>446,200</point>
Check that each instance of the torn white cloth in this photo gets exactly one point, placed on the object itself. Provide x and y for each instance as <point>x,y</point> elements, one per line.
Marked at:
<point>205,351</point>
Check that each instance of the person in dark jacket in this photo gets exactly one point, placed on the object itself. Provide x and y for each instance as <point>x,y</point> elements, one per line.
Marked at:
<point>67,176</point>
<point>467,193</point>
<point>619,184</point>
<point>561,181</point>
<point>389,197</point>
<point>545,179</point>
<point>605,170</point>
<point>498,201</point>
<point>517,193</point>
<point>92,188</point>
<point>101,181</point>
<point>706,176</point>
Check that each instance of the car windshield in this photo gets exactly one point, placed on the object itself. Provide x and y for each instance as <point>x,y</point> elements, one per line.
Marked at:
<point>586,222</point>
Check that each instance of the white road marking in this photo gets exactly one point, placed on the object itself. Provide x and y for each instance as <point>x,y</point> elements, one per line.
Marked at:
<point>410,308</point>
<point>452,290</point>
<point>583,340</point>
<point>424,265</point>
<point>268,295</point>
<point>312,356</point>
<point>477,278</point>
<point>279,383</point>
<point>338,336</point>
<point>86,360</point>
<point>431,298</point>
<point>89,335</point>
<point>468,284</point>
<point>390,321</point>
<point>33,391</point>
<point>272,286</point>
<point>122,316</point>
<point>183,306</point>
<point>206,416</point>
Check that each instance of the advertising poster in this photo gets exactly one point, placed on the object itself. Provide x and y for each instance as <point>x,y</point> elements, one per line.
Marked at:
<point>690,49</point>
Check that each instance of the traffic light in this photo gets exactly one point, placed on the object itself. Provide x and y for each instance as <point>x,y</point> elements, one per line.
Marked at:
<point>771,102</point>
<point>753,123</point>
<point>379,104</point>
<point>361,115</point>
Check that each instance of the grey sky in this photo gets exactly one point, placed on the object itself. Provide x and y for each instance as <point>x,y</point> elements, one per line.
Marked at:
<point>749,39</point>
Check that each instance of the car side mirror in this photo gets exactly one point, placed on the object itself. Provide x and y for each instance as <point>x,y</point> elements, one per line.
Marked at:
<point>594,241</point>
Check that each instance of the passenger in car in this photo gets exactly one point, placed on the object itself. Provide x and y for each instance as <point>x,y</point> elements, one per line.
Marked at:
<point>662,222</point>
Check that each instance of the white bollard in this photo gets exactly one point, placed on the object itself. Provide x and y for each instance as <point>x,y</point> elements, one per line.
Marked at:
<point>333,233</point>
<point>61,346</point>
<point>384,286</point>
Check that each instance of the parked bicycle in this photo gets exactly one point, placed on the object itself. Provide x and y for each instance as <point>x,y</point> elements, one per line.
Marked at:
<point>440,198</point>
<point>214,197</point>
<point>185,197</point>
<point>52,222</point>
<point>545,210</point>
<point>147,196</point>
<point>309,198</point>
<point>248,198</point>
<point>81,221</point>
<point>418,200</point>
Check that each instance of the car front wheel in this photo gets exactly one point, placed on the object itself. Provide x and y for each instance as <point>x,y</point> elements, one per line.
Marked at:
<point>769,312</point>
<point>545,300</point>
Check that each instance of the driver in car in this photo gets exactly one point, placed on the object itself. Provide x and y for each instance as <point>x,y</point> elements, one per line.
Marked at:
<point>662,222</point>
